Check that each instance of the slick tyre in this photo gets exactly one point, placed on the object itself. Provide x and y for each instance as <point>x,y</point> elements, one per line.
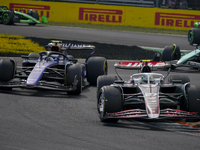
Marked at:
<point>34,14</point>
<point>31,60</point>
<point>7,17</point>
<point>72,71</point>
<point>96,66</point>
<point>103,81</point>
<point>191,103</point>
<point>34,56</point>
<point>171,52</point>
<point>194,36</point>
<point>7,71</point>
<point>182,79</point>
<point>109,101</point>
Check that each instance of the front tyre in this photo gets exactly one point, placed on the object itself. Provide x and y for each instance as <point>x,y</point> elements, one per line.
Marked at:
<point>192,104</point>
<point>171,52</point>
<point>33,14</point>
<point>7,71</point>
<point>109,101</point>
<point>96,66</point>
<point>72,71</point>
<point>194,36</point>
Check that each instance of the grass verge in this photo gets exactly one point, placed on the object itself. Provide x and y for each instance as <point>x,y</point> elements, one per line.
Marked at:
<point>18,45</point>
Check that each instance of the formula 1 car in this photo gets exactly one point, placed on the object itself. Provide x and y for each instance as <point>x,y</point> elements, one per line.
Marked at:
<point>53,69</point>
<point>146,95</point>
<point>172,53</point>
<point>8,17</point>
<point>173,57</point>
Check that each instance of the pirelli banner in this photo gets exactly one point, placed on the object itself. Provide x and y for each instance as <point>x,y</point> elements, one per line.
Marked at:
<point>109,14</point>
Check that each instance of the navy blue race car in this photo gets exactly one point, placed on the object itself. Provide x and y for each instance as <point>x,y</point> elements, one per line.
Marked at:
<point>53,69</point>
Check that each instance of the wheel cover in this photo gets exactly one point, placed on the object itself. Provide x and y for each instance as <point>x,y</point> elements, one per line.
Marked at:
<point>190,36</point>
<point>6,17</point>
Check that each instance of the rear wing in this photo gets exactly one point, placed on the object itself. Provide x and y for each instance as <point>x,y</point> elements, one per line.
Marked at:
<point>69,46</point>
<point>143,66</point>
<point>58,46</point>
<point>138,65</point>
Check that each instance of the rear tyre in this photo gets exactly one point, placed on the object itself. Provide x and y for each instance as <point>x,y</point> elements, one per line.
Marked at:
<point>34,14</point>
<point>7,17</point>
<point>96,66</point>
<point>109,101</point>
<point>32,60</point>
<point>34,56</point>
<point>7,71</point>
<point>171,52</point>
<point>194,36</point>
<point>191,103</point>
<point>103,81</point>
<point>176,78</point>
<point>72,71</point>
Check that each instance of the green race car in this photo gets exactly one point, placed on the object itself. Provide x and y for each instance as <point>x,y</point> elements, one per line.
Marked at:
<point>8,17</point>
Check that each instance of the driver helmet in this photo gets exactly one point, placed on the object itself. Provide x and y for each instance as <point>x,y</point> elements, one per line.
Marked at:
<point>144,80</point>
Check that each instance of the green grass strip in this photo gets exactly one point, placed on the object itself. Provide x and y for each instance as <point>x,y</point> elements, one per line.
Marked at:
<point>18,45</point>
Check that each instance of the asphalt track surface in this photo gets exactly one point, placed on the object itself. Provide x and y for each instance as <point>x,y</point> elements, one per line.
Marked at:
<point>52,120</point>
<point>95,35</point>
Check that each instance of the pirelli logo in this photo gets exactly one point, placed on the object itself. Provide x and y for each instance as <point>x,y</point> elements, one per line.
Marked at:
<point>100,15</point>
<point>176,20</point>
<point>43,10</point>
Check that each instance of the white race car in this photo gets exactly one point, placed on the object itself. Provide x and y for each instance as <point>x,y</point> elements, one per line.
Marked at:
<point>146,95</point>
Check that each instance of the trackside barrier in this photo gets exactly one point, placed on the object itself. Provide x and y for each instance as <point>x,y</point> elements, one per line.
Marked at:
<point>109,14</point>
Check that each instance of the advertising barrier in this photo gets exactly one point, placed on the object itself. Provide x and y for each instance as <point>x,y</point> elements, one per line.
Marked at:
<point>109,14</point>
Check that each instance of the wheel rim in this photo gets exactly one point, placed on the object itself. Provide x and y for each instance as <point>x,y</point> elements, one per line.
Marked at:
<point>190,36</point>
<point>101,106</point>
<point>6,17</point>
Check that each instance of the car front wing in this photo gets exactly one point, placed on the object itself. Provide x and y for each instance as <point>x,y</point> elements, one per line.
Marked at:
<point>15,83</point>
<point>140,113</point>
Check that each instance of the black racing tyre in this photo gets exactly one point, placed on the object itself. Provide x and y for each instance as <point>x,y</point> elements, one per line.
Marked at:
<point>104,80</point>
<point>171,52</point>
<point>192,103</point>
<point>7,71</point>
<point>176,78</point>
<point>72,71</point>
<point>34,14</point>
<point>194,36</point>
<point>96,66</point>
<point>7,17</point>
<point>34,56</point>
<point>109,101</point>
